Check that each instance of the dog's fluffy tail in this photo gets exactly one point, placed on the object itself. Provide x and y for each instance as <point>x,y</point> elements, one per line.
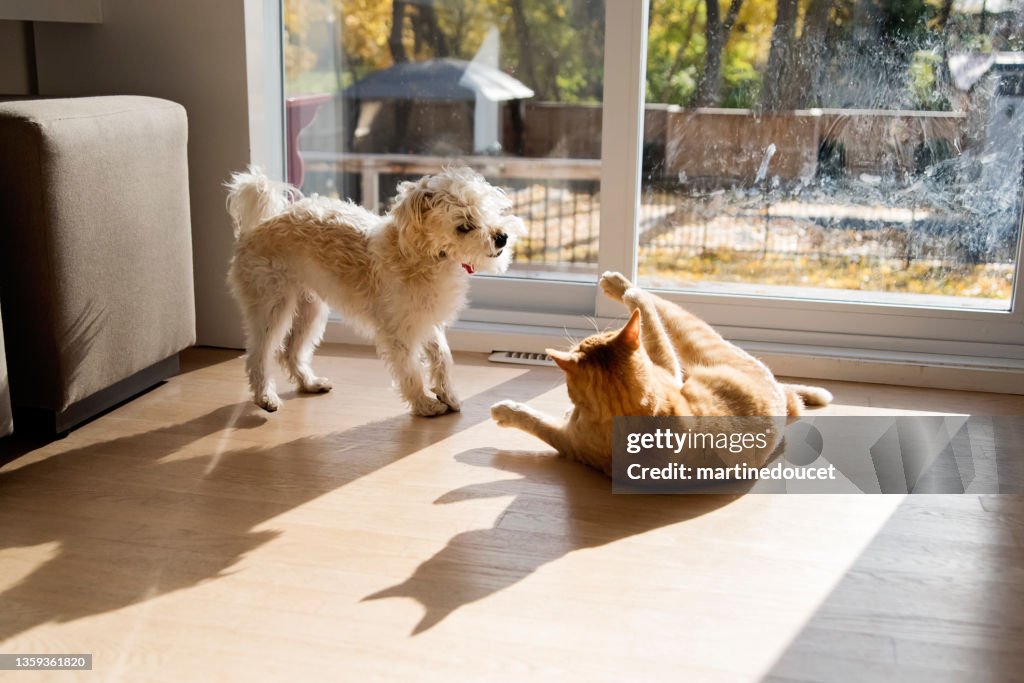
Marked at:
<point>254,198</point>
<point>800,395</point>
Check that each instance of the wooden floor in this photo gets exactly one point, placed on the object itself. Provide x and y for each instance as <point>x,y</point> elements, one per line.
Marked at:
<point>187,536</point>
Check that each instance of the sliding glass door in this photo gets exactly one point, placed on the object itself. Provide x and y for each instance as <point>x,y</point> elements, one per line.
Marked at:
<point>838,150</point>
<point>826,172</point>
<point>379,92</point>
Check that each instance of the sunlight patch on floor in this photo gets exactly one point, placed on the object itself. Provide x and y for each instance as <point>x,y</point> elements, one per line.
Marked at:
<point>17,562</point>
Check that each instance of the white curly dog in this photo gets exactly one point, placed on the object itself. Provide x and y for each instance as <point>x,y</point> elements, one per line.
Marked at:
<point>400,278</point>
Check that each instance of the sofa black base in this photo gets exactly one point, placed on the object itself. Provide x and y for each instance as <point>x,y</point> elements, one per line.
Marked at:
<point>60,423</point>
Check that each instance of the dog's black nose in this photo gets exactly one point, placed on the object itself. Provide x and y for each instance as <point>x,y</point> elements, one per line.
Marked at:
<point>500,240</point>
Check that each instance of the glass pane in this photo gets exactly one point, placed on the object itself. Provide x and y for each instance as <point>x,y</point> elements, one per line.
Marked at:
<point>381,92</point>
<point>864,150</point>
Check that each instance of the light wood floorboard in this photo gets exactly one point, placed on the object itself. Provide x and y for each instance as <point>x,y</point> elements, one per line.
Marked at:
<point>188,536</point>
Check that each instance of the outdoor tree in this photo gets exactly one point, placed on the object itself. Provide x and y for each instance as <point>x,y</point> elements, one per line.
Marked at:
<point>798,53</point>
<point>697,62</point>
<point>716,32</point>
<point>555,46</point>
<point>674,50</point>
<point>769,54</point>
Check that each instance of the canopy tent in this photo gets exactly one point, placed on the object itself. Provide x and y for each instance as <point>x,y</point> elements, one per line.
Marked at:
<point>439,79</point>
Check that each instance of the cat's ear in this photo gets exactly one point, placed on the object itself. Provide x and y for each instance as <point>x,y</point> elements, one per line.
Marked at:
<point>630,334</point>
<point>563,359</point>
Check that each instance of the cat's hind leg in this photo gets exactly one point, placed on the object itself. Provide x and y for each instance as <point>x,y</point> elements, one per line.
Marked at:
<point>654,337</point>
<point>689,338</point>
<point>614,285</point>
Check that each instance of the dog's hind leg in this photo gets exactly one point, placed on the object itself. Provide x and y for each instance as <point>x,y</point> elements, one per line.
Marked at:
<point>307,330</point>
<point>439,361</point>
<point>407,371</point>
<point>267,323</point>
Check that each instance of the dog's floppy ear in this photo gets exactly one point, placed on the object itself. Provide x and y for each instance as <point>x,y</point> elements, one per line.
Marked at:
<point>414,198</point>
<point>410,208</point>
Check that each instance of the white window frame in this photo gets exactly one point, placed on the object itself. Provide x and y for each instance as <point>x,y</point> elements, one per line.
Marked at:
<point>532,313</point>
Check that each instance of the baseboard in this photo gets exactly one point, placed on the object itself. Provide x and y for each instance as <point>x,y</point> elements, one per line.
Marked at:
<point>909,370</point>
<point>934,371</point>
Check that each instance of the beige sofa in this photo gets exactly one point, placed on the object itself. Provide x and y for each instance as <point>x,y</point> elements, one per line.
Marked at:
<point>95,251</point>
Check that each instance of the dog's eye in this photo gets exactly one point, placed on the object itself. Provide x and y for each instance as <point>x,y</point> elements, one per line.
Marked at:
<point>464,228</point>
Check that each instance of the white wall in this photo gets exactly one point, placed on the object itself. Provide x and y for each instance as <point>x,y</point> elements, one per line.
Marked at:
<point>192,52</point>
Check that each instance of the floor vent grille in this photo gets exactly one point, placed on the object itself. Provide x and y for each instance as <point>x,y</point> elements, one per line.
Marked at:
<point>521,358</point>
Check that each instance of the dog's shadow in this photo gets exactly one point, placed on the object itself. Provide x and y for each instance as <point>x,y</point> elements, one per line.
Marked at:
<point>557,507</point>
<point>140,516</point>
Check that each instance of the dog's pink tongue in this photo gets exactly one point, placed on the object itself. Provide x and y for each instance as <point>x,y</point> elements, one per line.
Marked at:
<point>469,268</point>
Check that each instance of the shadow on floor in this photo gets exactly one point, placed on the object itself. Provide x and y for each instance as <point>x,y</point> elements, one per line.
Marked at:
<point>558,507</point>
<point>190,519</point>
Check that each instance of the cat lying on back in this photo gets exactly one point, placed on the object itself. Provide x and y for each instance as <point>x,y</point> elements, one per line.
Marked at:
<point>639,370</point>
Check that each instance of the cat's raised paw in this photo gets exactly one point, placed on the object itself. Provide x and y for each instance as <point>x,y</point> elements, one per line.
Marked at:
<point>614,284</point>
<point>506,413</point>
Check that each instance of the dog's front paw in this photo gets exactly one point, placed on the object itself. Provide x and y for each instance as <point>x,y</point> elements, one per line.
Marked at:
<point>614,284</point>
<point>427,406</point>
<point>318,385</point>
<point>449,399</point>
<point>269,402</point>
<point>507,413</point>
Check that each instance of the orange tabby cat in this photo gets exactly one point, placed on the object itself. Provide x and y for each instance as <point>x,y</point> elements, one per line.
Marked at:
<point>639,370</point>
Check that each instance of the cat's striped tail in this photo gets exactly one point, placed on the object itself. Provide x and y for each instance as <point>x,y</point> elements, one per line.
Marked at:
<point>799,396</point>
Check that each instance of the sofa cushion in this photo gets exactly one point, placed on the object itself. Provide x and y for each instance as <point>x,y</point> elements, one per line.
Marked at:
<point>95,243</point>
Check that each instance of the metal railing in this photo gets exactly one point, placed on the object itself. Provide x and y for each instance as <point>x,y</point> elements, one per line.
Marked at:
<point>556,198</point>
<point>559,202</point>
